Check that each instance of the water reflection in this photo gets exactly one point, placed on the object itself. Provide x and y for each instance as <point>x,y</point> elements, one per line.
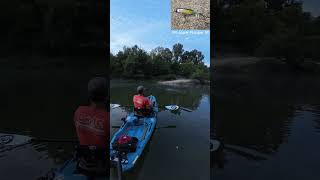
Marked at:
<point>123,92</point>
<point>266,124</point>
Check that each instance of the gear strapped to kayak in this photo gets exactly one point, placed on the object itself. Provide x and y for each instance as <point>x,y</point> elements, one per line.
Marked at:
<point>132,137</point>
<point>125,144</point>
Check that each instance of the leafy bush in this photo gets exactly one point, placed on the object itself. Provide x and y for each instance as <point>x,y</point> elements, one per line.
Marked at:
<point>134,62</point>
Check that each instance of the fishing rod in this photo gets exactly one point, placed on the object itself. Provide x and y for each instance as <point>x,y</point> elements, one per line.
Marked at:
<point>167,107</point>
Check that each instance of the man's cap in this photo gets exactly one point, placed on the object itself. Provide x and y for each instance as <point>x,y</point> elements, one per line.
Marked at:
<point>97,89</point>
<point>140,89</point>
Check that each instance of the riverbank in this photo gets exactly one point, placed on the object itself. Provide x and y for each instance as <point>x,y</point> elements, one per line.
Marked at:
<point>181,82</point>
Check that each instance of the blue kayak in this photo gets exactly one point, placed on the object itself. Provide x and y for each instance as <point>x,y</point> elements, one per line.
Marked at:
<point>139,127</point>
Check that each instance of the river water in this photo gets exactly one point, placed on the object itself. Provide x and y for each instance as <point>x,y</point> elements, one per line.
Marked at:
<point>173,153</point>
<point>269,124</point>
<point>40,103</point>
<point>270,128</point>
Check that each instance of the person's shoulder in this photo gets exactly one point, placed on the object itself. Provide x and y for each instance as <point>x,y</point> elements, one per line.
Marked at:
<point>82,109</point>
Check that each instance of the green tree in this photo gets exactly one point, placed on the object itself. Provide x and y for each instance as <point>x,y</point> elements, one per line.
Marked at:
<point>161,59</point>
<point>137,62</point>
<point>186,69</point>
<point>163,53</point>
<point>177,51</point>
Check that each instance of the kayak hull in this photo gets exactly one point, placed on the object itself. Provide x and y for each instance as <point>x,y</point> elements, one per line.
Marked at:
<point>68,172</point>
<point>140,127</point>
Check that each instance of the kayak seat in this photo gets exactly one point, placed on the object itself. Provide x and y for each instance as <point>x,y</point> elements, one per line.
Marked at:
<point>92,159</point>
<point>141,113</point>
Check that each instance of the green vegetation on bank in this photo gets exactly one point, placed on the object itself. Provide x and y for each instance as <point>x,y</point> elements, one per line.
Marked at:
<point>160,63</point>
<point>268,28</point>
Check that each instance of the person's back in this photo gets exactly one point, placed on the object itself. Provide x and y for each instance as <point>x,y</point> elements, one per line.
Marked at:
<point>142,105</point>
<point>92,124</point>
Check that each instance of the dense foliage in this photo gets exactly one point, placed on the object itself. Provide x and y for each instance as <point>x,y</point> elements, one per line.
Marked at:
<point>71,27</point>
<point>274,28</point>
<point>163,63</point>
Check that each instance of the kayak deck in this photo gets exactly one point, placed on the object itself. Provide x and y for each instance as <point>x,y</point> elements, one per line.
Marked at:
<point>140,127</point>
<point>68,172</point>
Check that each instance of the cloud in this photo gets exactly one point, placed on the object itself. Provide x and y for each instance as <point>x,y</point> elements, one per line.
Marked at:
<point>148,25</point>
<point>144,33</point>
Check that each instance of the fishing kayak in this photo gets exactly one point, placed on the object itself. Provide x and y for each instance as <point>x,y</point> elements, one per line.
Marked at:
<point>139,127</point>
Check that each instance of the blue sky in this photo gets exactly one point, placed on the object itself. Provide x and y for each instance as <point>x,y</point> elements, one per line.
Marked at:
<point>146,23</point>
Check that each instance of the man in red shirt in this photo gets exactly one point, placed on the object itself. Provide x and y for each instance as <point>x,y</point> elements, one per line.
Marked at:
<point>142,105</point>
<point>92,122</point>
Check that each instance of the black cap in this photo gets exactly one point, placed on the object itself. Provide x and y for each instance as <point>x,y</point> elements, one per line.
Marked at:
<point>98,89</point>
<point>140,89</point>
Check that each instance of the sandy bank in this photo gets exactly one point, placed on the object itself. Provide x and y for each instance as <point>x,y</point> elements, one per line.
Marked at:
<point>180,82</point>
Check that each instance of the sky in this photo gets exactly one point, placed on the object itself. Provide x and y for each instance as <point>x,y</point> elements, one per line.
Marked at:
<point>312,6</point>
<point>147,23</point>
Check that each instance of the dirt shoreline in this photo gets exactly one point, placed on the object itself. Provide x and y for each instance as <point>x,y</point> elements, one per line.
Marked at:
<point>179,82</point>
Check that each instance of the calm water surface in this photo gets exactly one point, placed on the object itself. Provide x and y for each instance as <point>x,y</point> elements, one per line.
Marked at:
<point>175,153</point>
<point>270,129</point>
<point>42,104</point>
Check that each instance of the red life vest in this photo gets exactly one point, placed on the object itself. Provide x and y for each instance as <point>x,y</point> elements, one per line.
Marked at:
<point>92,126</point>
<point>141,102</point>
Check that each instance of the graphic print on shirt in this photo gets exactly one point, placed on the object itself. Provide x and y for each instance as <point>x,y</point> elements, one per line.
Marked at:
<point>89,122</point>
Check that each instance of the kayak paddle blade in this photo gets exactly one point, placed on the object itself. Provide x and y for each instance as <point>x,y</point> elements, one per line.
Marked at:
<point>113,106</point>
<point>172,107</point>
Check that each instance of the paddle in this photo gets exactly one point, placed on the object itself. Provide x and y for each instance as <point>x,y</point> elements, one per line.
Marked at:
<point>119,166</point>
<point>168,107</point>
<point>163,127</point>
<point>55,140</point>
<point>14,140</point>
<point>176,107</point>
<point>214,145</point>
